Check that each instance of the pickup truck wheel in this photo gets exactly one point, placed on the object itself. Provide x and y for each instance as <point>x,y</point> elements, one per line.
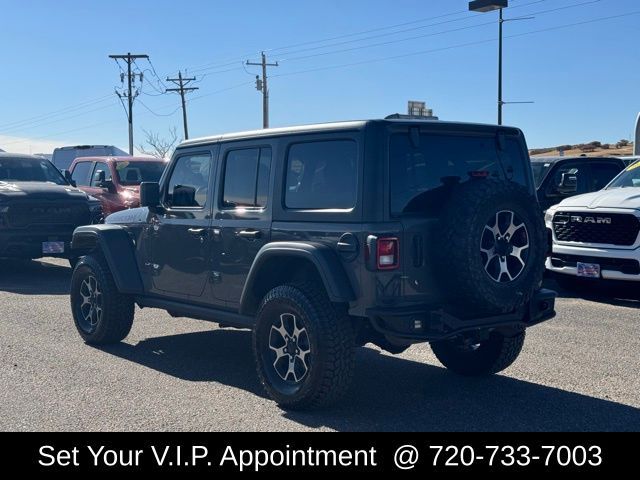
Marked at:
<point>101,314</point>
<point>303,346</point>
<point>486,357</point>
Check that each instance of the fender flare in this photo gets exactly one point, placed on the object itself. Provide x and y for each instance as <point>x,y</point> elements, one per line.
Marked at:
<point>116,246</point>
<point>323,257</point>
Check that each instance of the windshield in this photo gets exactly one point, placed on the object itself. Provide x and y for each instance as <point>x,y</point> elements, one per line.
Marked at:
<point>539,172</point>
<point>29,170</point>
<point>629,178</point>
<point>134,173</point>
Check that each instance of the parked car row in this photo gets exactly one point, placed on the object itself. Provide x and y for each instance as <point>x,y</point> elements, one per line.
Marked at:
<point>40,206</point>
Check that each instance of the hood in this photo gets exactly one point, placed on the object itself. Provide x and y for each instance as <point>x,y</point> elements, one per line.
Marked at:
<point>615,198</point>
<point>39,191</point>
<point>129,216</point>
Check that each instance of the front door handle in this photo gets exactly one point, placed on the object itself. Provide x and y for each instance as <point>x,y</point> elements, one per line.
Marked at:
<point>199,232</point>
<point>251,234</point>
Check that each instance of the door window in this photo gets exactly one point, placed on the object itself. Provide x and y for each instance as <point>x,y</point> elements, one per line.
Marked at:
<point>602,174</point>
<point>565,173</point>
<point>246,178</point>
<point>189,182</point>
<point>81,172</point>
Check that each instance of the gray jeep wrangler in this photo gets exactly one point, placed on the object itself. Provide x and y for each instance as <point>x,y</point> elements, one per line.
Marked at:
<point>326,237</point>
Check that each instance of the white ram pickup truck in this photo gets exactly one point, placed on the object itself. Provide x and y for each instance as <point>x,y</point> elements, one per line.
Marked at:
<point>597,235</point>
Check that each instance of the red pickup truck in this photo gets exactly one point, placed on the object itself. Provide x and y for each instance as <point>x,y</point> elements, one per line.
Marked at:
<point>115,181</point>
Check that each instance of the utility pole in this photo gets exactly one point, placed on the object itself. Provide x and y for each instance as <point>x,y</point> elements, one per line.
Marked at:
<point>182,83</point>
<point>129,59</point>
<point>261,85</point>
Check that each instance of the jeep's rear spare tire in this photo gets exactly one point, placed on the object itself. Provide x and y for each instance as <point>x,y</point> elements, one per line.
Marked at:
<point>492,246</point>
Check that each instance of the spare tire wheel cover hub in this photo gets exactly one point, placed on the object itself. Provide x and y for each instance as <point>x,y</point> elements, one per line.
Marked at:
<point>504,246</point>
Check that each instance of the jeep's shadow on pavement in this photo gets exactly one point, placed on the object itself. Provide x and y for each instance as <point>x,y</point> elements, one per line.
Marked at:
<point>34,277</point>
<point>391,393</point>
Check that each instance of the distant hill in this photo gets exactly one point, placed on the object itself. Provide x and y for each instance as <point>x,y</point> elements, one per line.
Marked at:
<point>592,149</point>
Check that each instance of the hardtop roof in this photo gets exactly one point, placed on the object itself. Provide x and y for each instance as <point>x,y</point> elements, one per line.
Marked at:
<point>329,127</point>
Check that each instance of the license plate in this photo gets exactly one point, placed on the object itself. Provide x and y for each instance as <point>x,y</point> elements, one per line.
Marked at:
<point>52,247</point>
<point>588,270</point>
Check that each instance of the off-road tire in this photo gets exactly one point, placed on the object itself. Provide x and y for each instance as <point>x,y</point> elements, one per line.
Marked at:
<point>117,309</point>
<point>492,356</point>
<point>461,265</point>
<point>331,343</point>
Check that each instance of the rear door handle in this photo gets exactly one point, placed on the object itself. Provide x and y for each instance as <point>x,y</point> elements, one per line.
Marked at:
<point>251,234</point>
<point>200,232</point>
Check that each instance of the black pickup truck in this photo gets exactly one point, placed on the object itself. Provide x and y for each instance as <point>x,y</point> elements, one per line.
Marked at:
<point>39,209</point>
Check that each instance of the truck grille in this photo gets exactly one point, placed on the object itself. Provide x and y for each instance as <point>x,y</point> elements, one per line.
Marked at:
<point>25,214</point>
<point>589,227</point>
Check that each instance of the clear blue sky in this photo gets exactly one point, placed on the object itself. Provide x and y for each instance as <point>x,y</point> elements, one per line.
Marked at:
<point>584,79</point>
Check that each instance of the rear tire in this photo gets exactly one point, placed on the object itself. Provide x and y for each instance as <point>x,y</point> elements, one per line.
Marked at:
<point>101,314</point>
<point>487,357</point>
<point>303,347</point>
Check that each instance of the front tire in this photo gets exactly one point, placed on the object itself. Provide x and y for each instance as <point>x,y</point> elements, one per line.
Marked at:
<point>303,346</point>
<point>102,315</point>
<point>486,357</point>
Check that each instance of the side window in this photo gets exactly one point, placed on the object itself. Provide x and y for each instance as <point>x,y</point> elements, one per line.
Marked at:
<point>81,173</point>
<point>189,182</point>
<point>559,185</point>
<point>246,178</point>
<point>322,175</point>
<point>107,173</point>
<point>602,174</point>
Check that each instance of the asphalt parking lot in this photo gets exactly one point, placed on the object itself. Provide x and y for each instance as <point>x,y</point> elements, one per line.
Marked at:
<point>581,371</point>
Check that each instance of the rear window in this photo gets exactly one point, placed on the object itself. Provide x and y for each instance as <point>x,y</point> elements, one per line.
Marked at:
<point>134,173</point>
<point>423,173</point>
<point>322,175</point>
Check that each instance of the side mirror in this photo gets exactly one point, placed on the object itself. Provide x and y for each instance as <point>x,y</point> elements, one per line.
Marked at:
<point>100,181</point>
<point>150,194</point>
<point>99,178</point>
<point>568,183</point>
<point>67,177</point>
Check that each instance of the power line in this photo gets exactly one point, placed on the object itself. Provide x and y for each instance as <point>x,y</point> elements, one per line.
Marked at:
<point>54,113</point>
<point>153,112</point>
<point>452,47</point>
<point>468,27</point>
<point>42,124</point>
<point>215,65</point>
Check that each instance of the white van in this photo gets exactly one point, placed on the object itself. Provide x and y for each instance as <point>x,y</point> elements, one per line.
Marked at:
<point>63,157</point>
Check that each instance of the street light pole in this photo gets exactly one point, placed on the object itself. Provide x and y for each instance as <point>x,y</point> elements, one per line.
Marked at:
<point>483,6</point>
<point>500,101</point>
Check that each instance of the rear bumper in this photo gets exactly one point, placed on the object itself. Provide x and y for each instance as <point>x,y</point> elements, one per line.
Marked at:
<point>27,243</point>
<point>421,324</point>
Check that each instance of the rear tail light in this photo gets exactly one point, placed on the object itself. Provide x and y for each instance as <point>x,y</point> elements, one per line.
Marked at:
<point>387,254</point>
